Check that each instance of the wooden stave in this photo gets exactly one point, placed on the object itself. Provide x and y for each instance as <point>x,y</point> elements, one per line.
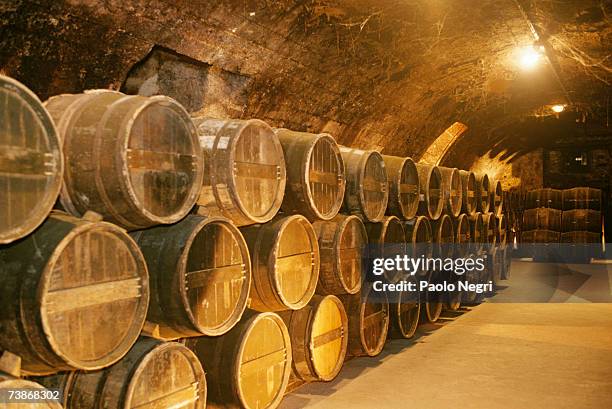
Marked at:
<point>166,250</point>
<point>300,325</point>
<point>377,236</point>
<point>397,169</point>
<point>420,226</point>
<point>542,218</point>
<point>329,234</point>
<point>115,197</point>
<point>263,241</point>
<point>483,193</point>
<point>426,174</point>
<point>229,204</point>
<point>298,147</point>
<point>398,329</point>
<point>452,187</point>
<point>469,196</point>
<point>220,353</point>
<point>355,161</point>
<point>581,220</point>
<point>55,234</point>
<point>43,207</point>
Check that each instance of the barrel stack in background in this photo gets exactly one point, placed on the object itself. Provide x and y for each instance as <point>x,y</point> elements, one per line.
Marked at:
<point>582,224</point>
<point>541,227</point>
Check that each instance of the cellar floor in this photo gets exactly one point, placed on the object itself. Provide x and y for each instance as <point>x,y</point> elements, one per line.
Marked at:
<point>498,355</point>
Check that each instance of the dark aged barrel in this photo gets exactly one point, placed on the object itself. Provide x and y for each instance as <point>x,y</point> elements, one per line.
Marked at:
<point>249,366</point>
<point>368,324</point>
<point>342,241</point>
<point>405,311</point>
<point>319,337</point>
<point>581,219</point>
<point>200,276</point>
<point>540,244</point>
<point>245,174</point>
<point>581,246</point>
<point>497,197</point>
<point>540,236</point>
<point>315,175</point>
<point>367,189</point>
<point>154,374</point>
<point>31,161</point>
<point>490,229</point>
<point>452,190</point>
<point>479,235</point>
<point>502,230</point>
<point>74,295</point>
<point>285,260</point>
<point>419,238</point>
<point>431,201</point>
<point>443,236</point>
<point>469,204</point>
<point>133,159</point>
<point>389,239</point>
<point>483,193</point>
<point>403,187</point>
<point>542,218</point>
<point>22,386</point>
<point>551,198</point>
<point>582,198</point>
<point>463,235</point>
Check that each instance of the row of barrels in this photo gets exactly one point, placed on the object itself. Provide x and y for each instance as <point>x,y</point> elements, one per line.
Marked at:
<point>142,161</point>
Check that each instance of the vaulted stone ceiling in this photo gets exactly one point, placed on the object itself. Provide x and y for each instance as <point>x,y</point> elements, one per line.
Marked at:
<point>388,74</point>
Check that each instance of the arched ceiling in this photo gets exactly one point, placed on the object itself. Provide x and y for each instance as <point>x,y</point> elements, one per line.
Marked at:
<point>386,74</point>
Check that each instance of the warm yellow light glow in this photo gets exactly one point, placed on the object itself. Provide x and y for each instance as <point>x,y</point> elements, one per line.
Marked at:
<point>529,58</point>
<point>558,108</point>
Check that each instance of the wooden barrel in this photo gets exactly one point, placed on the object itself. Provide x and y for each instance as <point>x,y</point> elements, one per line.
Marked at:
<point>582,198</point>
<point>47,399</point>
<point>443,237</point>
<point>419,238</point>
<point>580,246</point>
<point>551,198</point>
<point>367,189</point>
<point>31,161</point>
<point>431,301</point>
<point>540,244</point>
<point>540,236</point>
<point>405,311</point>
<point>463,235</point>
<point>452,190</point>
<point>249,366</point>
<point>368,324</point>
<point>154,374</point>
<point>342,241</point>
<point>389,239</point>
<point>490,229</point>
<point>506,262</point>
<point>502,230</point>
<point>245,175</point>
<point>133,159</point>
<point>431,201</point>
<point>581,220</point>
<point>469,203</point>
<point>285,263</point>
<point>497,197</point>
<point>479,235</point>
<point>74,295</point>
<point>200,277</point>
<point>542,218</point>
<point>319,340</point>
<point>315,177</point>
<point>403,187</point>
<point>483,193</point>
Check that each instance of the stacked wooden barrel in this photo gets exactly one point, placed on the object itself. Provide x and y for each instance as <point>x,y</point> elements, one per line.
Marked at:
<point>581,224</point>
<point>541,225</point>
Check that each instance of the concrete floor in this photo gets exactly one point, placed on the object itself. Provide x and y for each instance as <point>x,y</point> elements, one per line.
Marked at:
<point>496,356</point>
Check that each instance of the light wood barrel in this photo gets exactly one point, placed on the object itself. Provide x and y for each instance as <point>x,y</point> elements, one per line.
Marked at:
<point>367,189</point>
<point>497,197</point>
<point>133,159</point>
<point>443,236</point>
<point>479,235</point>
<point>368,321</point>
<point>390,238</point>
<point>431,302</point>
<point>285,263</point>
<point>315,175</point>
<point>10,383</point>
<point>469,192</point>
<point>431,201</point>
<point>490,228</point>
<point>419,238</point>
<point>319,338</point>
<point>31,161</point>
<point>200,276</point>
<point>452,190</point>
<point>582,198</point>
<point>550,198</point>
<point>342,241</point>
<point>154,374</point>
<point>542,218</point>
<point>249,366</point>
<point>403,187</point>
<point>463,235</point>
<point>581,220</point>
<point>405,312</point>
<point>74,295</point>
<point>245,175</point>
<point>483,193</point>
